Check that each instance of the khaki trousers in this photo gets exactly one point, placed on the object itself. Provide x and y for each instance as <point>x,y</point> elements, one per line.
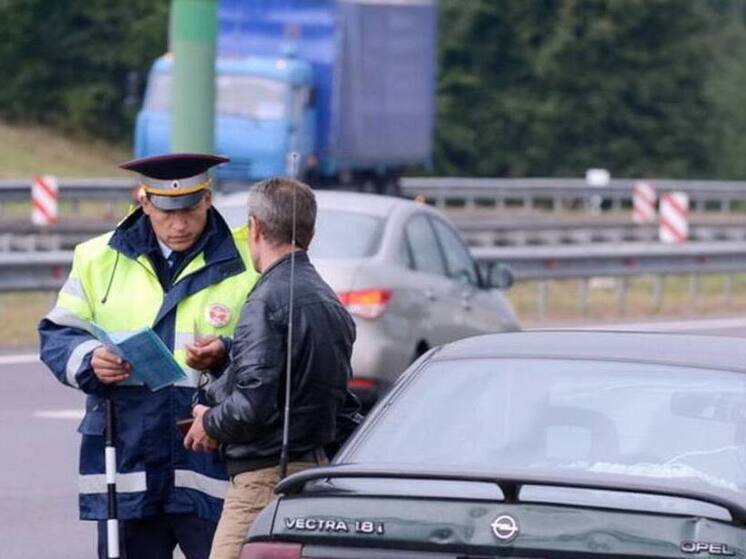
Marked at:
<point>248,493</point>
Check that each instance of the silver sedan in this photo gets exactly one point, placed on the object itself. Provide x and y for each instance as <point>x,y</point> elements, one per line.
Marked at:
<point>404,274</point>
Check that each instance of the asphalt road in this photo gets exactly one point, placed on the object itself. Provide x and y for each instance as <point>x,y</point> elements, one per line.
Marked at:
<point>38,466</point>
<point>38,453</point>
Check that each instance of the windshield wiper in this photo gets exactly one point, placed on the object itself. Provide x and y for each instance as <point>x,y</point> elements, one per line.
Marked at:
<point>511,481</point>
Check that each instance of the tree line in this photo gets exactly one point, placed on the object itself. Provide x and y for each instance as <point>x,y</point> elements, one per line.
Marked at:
<point>525,87</point>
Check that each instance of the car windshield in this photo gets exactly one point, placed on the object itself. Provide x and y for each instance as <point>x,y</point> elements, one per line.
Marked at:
<point>586,418</point>
<point>237,95</point>
<point>333,238</point>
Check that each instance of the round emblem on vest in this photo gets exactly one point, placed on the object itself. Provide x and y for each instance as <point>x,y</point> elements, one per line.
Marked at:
<point>218,315</point>
<point>175,185</point>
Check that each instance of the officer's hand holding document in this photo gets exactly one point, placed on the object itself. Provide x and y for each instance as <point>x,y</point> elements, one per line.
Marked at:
<point>206,351</point>
<point>151,361</point>
<point>109,367</point>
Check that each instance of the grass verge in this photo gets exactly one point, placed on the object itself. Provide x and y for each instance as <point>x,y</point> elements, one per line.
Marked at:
<point>33,150</point>
<point>681,299</point>
<point>20,313</point>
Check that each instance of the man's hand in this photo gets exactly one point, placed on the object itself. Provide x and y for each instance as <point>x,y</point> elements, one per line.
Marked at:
<point>197,439</point>
<point>208,352</point>
<point>109,367</point>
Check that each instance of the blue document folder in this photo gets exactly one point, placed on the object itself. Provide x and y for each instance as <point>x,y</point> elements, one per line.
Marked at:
<point>152,362</point>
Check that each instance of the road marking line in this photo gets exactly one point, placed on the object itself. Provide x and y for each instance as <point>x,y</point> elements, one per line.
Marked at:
<point>18,359</point>
<point>59,414</point>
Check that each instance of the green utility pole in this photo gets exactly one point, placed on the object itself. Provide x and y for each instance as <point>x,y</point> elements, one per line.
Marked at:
<point>192,36</point>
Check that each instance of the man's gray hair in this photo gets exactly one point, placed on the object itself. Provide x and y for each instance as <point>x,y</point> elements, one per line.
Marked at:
<point>271,204</point>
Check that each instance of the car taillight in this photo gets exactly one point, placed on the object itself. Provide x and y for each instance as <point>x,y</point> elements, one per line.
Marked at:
<point>367,303</point>
<point>361,384</point>
<point>271,550</point>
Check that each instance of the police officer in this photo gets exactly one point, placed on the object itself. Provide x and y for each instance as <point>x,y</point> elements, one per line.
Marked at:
<point>175,266</point>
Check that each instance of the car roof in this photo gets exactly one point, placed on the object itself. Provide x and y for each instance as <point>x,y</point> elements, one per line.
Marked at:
<point>372,204</point>
<point>689,350</point>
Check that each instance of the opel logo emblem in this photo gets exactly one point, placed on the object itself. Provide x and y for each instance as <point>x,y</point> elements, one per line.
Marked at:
<point>505,528</point>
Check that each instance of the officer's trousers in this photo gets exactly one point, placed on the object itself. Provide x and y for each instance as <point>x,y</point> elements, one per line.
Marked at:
<point>156,537</point>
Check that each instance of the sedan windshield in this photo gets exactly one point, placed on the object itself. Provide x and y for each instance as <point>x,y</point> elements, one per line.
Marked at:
<point>580,417</point>
<point>236,95</point>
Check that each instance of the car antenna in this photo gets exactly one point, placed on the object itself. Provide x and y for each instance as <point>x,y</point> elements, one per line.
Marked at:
<point>284,453</point>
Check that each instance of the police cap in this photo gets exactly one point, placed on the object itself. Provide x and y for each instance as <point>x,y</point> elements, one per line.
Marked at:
<point>176,181</point>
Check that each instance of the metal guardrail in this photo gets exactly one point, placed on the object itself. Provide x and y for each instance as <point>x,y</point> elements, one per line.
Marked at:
<point>22,236</point>
<point>500,232</point>
<point>38,271</point>
<point>47,270</point>
<point>559,193</point>
<point>74,189</point>
<point>556,193</point>
<point>619,260</point>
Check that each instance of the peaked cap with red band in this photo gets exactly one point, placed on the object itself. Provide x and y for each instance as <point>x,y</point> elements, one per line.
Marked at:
<point>176,181</point>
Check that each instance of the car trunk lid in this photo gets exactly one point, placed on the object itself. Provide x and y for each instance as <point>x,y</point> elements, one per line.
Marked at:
<point>484,527</point>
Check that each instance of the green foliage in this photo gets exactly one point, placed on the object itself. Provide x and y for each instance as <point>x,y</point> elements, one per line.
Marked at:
<point>487,83</point>
<point>727,91</point>
<point>71,64</point>
<point>553,87</point>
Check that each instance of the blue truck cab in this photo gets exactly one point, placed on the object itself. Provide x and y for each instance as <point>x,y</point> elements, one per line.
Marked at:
<point>349,85</point>
<point>263,111</point>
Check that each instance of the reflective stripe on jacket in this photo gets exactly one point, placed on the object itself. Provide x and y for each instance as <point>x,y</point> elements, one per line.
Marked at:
<point>113,283</point>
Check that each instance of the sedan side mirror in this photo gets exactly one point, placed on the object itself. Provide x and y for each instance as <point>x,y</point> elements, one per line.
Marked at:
<point>500,277</point>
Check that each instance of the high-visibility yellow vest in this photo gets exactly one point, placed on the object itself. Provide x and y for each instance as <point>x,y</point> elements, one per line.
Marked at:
<point>123,295</point>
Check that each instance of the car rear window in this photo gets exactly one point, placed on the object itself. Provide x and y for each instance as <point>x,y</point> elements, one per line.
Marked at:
<point>345,234</point>
<point>339,233</point>
<point>588,418</point>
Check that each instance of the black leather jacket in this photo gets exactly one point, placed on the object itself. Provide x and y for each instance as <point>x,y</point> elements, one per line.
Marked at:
<point>249,398</point>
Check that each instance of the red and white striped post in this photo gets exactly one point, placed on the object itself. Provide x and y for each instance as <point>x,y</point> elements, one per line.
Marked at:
<point>643,202</point>
<point>44,195</point>
<point>674,217</point>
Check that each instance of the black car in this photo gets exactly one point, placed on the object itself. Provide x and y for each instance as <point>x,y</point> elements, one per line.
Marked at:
<point>535,444</point>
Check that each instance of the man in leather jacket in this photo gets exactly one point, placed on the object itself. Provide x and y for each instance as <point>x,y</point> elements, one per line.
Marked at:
<point>249,398</point>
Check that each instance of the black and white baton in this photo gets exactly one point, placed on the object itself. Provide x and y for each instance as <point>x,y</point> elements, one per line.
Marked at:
<point>112,523</point>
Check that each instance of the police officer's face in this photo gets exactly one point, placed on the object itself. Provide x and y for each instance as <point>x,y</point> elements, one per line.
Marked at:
<point>179,229</point>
